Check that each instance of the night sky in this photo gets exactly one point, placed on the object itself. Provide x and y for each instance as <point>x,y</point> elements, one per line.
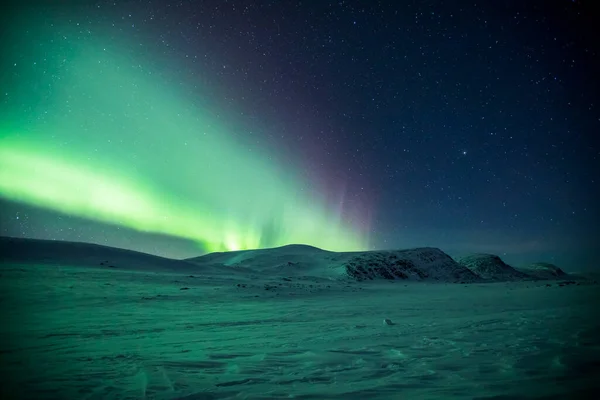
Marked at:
<point>178,128</point>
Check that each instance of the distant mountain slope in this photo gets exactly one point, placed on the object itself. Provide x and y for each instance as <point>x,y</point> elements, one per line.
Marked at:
<point>542,270</point>
<point>420,264</point>
<point>55,252</point>
<point>491,267</point>
<point>282,261</point>
<point>414,264</point>
<point>263,257</point>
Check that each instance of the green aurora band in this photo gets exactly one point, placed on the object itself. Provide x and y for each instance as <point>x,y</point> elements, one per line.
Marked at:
<point>103,139</point>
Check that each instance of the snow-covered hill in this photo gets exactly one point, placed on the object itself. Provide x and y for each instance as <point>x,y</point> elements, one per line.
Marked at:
<point>55,252</point>
<point>542,270</point>
<point>419,264</point>
<point>414,264</point>
<point>491,267</point>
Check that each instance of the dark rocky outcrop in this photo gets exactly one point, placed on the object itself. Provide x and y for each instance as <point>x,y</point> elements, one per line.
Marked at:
<point>414,264</point>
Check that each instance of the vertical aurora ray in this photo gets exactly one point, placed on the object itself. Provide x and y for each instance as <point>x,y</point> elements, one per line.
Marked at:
<point>96,135</point>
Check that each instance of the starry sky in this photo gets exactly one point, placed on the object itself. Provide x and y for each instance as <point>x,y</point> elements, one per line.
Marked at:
<point>183,127</point>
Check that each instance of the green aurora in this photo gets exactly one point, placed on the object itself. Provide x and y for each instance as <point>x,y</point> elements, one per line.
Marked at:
<point>90,133</point>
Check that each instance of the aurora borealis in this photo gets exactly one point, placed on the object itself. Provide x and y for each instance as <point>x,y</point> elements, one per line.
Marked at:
<point>111,143</point>
<point>178,128</point>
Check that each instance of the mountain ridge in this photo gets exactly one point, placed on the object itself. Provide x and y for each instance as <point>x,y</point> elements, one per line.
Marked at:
<point>416,264</point>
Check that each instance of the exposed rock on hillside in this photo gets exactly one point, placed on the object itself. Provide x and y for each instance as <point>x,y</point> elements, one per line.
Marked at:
<point>414,264</point>
<point>542,270</point>
<point>491,267</point>
<point>297,260</point>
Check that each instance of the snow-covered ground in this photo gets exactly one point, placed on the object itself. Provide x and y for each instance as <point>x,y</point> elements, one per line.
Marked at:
<point>110,333</point>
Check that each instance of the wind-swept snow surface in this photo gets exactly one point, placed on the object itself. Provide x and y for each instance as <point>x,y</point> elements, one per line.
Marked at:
<point>73,332</point>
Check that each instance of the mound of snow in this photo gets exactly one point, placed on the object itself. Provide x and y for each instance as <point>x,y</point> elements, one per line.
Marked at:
<point>285,260</point>
<point>413,264</point>
<point>491,267</point>
<point>262,258</point>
